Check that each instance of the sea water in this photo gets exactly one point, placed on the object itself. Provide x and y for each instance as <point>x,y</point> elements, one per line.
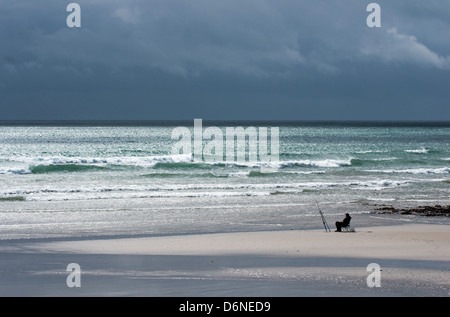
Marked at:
<point>84,179</point>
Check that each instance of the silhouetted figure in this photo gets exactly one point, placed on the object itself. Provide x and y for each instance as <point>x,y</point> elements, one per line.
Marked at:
<point>343,223</point>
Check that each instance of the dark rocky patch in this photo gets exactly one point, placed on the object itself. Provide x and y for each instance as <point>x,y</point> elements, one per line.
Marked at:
<point>429,211</point>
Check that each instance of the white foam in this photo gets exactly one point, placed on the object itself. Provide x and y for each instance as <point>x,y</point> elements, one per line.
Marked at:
<point>110,191</point>
<point>320,163</point>
<point>17,171</point>
<point>416,171</point>
<point>291,163</point>
<point>143,161</point>
<point>419,151</point>
<point>239,174</point>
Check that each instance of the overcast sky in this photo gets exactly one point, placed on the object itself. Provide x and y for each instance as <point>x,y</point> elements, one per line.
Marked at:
<point>225,59</point>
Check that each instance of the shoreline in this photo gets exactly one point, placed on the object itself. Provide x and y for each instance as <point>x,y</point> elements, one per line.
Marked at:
<point>374,215</point>
<point>414,259</point>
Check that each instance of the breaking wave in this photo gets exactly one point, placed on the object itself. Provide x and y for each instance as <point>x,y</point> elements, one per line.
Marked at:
<point>416,171</point>
<point>418,151</point>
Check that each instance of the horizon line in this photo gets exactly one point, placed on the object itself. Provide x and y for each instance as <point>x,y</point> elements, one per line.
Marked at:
<point>165,122</point>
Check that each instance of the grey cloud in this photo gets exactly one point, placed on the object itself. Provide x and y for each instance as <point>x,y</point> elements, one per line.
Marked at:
<point>259,38</point>
<point>393,46</point>
<point>315,57</point>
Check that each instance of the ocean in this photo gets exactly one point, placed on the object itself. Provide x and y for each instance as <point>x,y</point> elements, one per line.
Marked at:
<point>77,179</point>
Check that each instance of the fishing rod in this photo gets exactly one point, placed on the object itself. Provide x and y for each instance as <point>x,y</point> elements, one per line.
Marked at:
<point>325,224</point>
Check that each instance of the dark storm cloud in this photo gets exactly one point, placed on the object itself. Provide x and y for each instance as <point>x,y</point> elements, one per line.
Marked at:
<point>260,59</point>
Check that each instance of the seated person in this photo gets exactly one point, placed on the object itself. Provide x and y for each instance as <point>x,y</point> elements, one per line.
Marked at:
<point>343,223</point>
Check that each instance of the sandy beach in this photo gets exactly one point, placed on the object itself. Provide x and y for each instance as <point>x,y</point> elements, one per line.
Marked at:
<point>414,260</point>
